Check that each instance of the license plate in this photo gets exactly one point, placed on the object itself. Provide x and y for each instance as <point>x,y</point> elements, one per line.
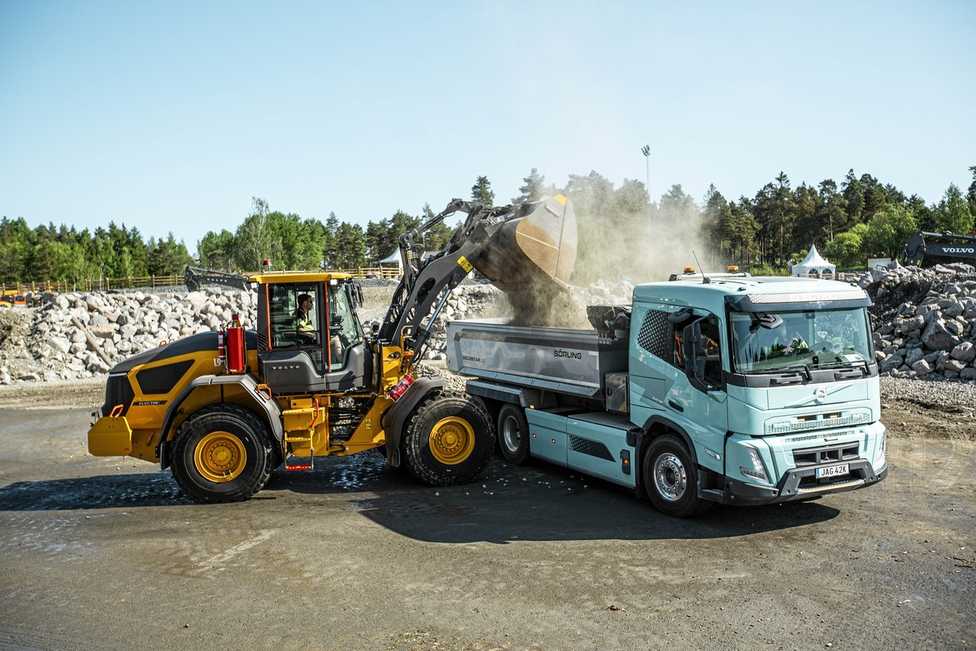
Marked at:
<point>833,471</point>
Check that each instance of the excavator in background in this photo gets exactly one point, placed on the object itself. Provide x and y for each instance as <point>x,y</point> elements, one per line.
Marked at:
<point>926,249</point>
<point>223,409</point>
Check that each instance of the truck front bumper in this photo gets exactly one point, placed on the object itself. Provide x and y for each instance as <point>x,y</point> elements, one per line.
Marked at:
<point>801,484</point>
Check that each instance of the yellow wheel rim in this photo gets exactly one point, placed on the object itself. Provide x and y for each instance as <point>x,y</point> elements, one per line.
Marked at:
<point>220,457</point>
<point>451,440</point>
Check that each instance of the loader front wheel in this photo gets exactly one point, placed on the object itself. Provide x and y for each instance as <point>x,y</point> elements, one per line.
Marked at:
<point>222,454</point>
<point>448,440</point>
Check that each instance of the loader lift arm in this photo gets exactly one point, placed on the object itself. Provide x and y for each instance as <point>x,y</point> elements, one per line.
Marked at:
<point>428,280</point>
<point>518,247</point>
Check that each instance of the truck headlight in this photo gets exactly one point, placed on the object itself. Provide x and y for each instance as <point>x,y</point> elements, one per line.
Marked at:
<point>757,469</point>
<point>880,459</point>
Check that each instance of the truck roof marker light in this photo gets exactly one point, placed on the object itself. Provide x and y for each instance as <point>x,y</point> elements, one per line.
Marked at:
<point>689,270</point>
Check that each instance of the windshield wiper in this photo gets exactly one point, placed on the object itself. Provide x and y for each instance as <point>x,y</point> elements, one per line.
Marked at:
<point>843,363</point>
<point>804,369</point>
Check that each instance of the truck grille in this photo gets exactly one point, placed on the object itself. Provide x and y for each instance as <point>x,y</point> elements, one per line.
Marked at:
<point>832,454</point>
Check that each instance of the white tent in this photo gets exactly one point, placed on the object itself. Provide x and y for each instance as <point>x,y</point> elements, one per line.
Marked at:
<point>814,266</point>
<point>393,259</point>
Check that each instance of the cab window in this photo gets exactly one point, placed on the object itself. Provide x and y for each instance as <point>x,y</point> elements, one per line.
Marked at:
<point>294,314</point>
<point>712,338</point>
<point>344,328</point>
<point>713,351</point>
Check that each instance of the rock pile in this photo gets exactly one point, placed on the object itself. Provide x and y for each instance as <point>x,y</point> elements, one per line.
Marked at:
<point>72,336</point>
<point>925,321</point>
<point>75,336</point>
<point>466,302</point>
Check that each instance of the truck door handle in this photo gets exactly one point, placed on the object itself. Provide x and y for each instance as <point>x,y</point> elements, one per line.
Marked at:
<point>675,406</point>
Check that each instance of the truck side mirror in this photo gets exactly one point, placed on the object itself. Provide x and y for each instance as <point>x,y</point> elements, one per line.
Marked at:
<point>694,350</point>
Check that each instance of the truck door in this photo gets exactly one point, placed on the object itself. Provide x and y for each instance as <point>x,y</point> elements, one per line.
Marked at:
<point>660,388</point>
<point>701,398</point>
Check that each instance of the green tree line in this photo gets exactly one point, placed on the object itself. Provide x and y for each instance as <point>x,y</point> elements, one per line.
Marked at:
<point>859,217</point>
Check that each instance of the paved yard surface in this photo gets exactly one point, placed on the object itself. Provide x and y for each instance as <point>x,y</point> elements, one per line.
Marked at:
<point>105,553</point>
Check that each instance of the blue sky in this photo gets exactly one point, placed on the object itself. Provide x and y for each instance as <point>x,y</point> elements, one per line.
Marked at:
<point>171,116</point>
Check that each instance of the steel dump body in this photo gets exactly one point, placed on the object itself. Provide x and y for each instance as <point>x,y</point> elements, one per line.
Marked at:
<point>562,360</point>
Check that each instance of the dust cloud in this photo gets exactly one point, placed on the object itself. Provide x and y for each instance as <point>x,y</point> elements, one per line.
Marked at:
<point>617,249</point>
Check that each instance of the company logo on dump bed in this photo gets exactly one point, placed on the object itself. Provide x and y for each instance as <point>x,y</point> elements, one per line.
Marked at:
<point>571,354</point>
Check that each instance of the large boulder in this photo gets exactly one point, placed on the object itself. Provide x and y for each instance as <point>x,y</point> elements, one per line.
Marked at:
<point>921,368</point>
<point>964,352</point>
<point>937,337</point>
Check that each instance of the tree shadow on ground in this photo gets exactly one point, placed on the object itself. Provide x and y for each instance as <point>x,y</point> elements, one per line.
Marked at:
<point>509,504</point>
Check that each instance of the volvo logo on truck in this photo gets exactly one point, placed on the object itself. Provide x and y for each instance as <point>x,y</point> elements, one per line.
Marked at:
<point>570,354</point>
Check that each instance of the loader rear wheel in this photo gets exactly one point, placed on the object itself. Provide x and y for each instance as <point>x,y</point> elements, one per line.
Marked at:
<point>513,434</point>
<point>448,440</point>
<point>222,454</point>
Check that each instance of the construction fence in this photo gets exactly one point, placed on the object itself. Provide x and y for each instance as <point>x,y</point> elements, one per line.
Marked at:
<point>153,282</point>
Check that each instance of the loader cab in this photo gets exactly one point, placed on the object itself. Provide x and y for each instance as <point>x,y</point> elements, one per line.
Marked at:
<point>309,336</point>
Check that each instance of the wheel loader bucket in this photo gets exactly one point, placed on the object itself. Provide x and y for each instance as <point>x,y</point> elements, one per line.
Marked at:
<point>534,253</point>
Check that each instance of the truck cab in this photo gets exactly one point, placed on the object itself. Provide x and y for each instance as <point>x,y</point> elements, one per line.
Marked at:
<point>726,388</point>
<point>770,382</point>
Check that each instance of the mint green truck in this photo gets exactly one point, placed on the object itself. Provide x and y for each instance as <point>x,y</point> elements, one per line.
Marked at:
<point>724,388</point>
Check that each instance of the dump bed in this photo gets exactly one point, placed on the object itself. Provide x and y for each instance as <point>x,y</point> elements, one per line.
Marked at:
<point>553,359</point>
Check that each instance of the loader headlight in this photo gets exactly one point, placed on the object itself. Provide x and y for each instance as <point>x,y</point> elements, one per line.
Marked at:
<point>756,469</point>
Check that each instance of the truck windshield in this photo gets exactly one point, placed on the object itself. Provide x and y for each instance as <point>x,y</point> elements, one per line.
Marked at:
<point>781,341</point>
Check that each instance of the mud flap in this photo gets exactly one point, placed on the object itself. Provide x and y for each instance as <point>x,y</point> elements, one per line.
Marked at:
<point>110,436</point>
<point>396,416</point>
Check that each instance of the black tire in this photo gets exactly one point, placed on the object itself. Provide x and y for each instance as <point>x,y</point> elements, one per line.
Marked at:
<point>513,434</point>
<point>417,446</point>
<point>248,429</point>
<point>675,492</point>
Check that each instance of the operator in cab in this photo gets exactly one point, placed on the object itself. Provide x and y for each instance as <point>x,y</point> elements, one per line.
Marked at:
<point>303,320</point>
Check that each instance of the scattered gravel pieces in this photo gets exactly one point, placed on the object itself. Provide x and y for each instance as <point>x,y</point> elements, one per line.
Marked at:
<point>943,395</point>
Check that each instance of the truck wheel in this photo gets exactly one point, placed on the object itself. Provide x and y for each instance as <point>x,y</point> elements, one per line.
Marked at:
<point>513,434</point>
<point>448,440</point>
<point>222,454</point>
<point>670,478</point>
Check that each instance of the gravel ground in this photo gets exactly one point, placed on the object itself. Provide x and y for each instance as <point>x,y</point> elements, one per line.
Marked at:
<point>936,394</point>
<point>104,553</point>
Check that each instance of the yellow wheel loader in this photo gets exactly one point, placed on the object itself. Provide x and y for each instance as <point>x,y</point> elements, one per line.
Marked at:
<point>224,409</point>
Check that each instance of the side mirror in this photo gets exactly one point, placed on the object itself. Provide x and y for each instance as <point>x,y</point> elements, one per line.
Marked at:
<point>354,292</point>
<point>694,350</point>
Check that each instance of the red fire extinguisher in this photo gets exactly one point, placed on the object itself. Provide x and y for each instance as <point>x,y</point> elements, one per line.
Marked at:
<point>236,352</point>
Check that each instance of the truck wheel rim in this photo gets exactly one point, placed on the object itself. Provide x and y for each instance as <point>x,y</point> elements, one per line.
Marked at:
<point>511,434</point>
<point>451,440</point>
<point>220,457</point>
<point>670,477</point>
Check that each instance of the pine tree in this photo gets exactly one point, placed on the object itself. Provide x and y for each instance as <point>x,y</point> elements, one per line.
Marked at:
<point>971,193</point>
<point>482,193</point>
<point>532,187</point>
